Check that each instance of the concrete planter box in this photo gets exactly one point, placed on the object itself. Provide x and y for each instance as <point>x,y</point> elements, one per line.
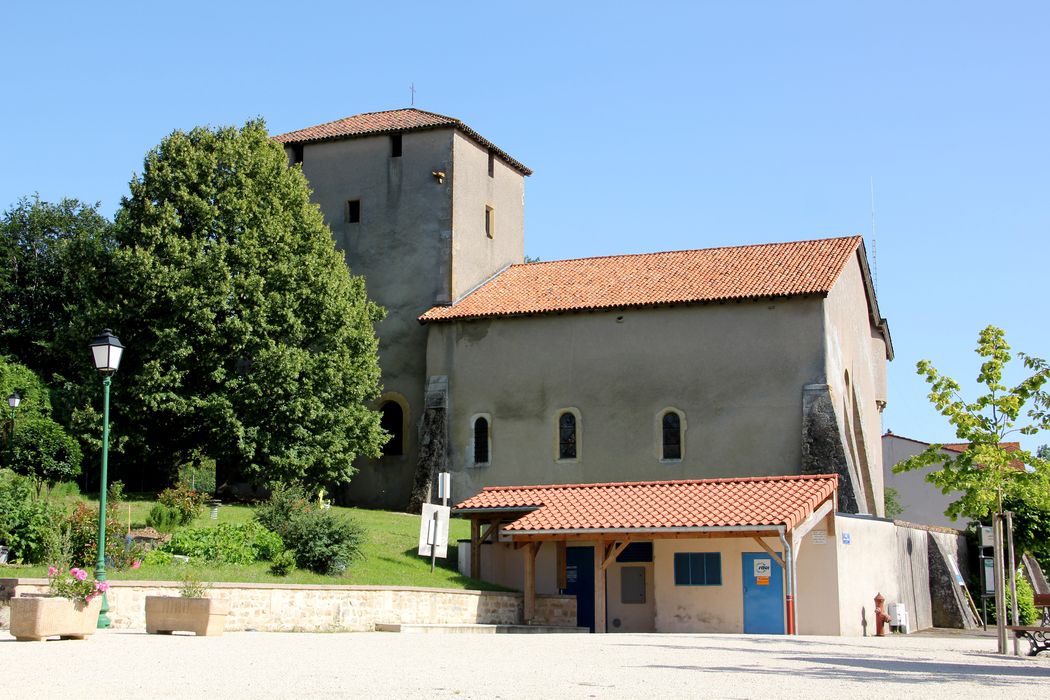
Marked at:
<point>202,616</point>
<point>36,619</point>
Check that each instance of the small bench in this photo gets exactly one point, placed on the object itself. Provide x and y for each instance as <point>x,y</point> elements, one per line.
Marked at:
<point>1038,637</point>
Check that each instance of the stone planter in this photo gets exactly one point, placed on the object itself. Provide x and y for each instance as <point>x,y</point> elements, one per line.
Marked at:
<point>202,616</point>
<point>36,619</point>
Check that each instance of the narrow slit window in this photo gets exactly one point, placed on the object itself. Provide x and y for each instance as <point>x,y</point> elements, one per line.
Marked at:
<point>490,223</point>
<point>672,434</point>
<point>297,153</point>
<point>395,145</point>
<point>353,211</point>
<point>392,420</point>
<point>492,163</point>
<point>481,441</point>
<point>567,436</point>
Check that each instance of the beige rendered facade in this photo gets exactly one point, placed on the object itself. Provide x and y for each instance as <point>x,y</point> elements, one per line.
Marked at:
<point>921,501</point>
<point>736,374</point>
<point>842,564</point>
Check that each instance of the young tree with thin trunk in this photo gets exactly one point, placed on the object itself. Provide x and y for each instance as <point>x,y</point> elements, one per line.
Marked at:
<point>986,473</point>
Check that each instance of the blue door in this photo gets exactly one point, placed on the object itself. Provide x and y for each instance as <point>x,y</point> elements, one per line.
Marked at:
<point>579,581</point>
<point>763,594</point>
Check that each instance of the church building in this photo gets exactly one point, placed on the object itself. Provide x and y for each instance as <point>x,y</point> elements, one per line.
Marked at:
<point>681,441</point>
<point>747,361</point>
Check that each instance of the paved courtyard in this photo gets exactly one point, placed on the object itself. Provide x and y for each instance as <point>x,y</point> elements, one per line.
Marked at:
<point>128,663</point>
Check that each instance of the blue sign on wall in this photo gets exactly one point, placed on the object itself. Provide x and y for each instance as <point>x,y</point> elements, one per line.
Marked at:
<point>846,539</point>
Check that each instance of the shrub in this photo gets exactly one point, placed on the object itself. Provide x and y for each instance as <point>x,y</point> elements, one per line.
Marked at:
<point>115,493</point>
<point>82,525</point>
<point>157,557</point>
<point>227,543</point>
<point>42,450</point>
<point>323,543</point>
<point>1026,610</point>
<point>281,508</point>
<point>163,518</point>
<point>198,477</point>
<point>283,563</point>
<point>28,525</point>
<point>185,500</point>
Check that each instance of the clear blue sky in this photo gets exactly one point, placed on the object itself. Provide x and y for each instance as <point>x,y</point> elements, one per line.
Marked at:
<point>650,126</point>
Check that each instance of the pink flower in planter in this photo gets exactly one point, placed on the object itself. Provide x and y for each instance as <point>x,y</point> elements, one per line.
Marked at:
<point>78,574</point>
<point>51,571</point>
<point>102,586</point>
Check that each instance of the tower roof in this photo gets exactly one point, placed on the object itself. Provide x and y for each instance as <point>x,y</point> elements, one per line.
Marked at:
<point>391,122</point>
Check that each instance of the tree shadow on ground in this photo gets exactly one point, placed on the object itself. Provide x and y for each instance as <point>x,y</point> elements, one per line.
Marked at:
<point>844,668</point>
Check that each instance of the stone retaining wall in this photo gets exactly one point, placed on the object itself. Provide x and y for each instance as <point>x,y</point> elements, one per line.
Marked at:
<point>306,608</point>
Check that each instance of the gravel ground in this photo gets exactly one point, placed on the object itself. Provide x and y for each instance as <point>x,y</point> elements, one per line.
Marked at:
<point>129,663</point>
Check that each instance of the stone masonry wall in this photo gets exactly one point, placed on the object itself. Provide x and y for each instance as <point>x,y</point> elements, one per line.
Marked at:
<point>309,608</point>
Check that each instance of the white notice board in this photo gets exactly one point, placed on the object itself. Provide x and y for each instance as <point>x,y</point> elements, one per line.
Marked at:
<point>434,530</point>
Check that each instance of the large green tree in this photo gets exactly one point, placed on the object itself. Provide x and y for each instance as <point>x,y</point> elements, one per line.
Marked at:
<point>248,340</point>
<point>53,257</point>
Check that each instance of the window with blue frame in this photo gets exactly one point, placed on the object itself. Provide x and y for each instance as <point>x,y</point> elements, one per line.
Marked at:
<point>697,569</point>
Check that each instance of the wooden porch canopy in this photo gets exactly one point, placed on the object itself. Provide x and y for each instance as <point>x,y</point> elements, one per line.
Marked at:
<point>614,515</point>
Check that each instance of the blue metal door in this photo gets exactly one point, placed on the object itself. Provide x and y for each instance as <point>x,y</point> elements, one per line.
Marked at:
<point>579,581</point>
<point>763,594</point>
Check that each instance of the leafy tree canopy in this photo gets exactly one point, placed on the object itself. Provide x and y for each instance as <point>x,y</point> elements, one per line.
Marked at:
<point>52,258</point>
<point>248,341</point>
<point>986,474</point>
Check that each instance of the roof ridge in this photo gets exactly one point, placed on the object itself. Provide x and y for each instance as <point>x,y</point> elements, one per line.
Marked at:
<point>687,250</point>
<point>669,482</point>
<point>369,114</point>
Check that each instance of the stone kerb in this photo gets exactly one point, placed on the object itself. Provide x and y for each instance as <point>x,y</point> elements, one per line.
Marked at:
<point>319,608</point>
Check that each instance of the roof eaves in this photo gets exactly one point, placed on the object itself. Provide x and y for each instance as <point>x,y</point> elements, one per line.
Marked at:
<point>425,318</point>
<point>761,527</point>
<point>452,123</point>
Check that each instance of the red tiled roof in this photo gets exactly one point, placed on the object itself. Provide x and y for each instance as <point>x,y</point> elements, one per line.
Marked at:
<point>705,503</point>
<point>392,121</point>
<point>963,446</point>
<point>622,281</point>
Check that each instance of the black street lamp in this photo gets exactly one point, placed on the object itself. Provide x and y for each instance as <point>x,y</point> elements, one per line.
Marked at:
<point>106,351</point>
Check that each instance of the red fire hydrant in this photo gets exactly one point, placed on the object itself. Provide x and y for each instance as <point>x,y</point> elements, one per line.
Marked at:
<point>881,618</point>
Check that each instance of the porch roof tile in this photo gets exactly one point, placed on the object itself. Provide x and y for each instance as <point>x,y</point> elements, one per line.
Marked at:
<point>704,503</point>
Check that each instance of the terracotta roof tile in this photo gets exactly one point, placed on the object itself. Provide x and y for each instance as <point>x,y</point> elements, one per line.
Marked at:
<point>758,501</point>
<point>962,446</point>
<point>688,276</point>
<point>392,121</point>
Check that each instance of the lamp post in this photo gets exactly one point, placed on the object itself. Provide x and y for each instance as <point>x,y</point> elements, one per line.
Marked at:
<point>105,351</point>
<point>13,400</point>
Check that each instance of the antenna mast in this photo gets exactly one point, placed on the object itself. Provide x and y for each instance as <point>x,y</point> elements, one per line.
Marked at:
<point>874,243</point>
<point>412,90</point>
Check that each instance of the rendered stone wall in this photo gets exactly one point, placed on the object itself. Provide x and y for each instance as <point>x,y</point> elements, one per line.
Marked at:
<point>302,608</point>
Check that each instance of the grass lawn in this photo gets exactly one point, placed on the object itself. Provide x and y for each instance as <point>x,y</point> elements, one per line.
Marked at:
<point>388,554</point>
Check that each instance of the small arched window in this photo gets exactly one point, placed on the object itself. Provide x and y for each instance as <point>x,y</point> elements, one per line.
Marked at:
<point>481,440</point>
<point>393,422</point>
<point>567,436</point>
<point>672,436</point>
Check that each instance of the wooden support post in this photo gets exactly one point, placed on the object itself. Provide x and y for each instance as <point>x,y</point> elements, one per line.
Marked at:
<point>599,586</point>
<point>560,555</point>
<point>530,551</point>
<point>475,548</point>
